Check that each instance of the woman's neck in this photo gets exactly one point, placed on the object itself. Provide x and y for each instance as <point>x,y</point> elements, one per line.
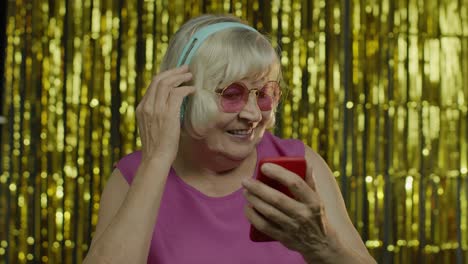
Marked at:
<point>207,170</point>
<point>193,154</point>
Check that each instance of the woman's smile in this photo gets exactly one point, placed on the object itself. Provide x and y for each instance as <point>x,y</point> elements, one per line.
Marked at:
<point>241,133</point>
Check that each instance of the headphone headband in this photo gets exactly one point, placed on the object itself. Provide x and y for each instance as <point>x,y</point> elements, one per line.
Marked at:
<point>200,35</point>
<point>195,42</point>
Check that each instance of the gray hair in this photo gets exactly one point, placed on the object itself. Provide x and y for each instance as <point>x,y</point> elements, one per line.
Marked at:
<point>226,56</point>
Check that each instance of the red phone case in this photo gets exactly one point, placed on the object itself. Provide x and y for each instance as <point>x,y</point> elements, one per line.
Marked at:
<point>294,164</point>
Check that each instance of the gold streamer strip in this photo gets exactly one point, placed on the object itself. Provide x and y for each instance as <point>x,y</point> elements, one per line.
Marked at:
<point>378,88</point>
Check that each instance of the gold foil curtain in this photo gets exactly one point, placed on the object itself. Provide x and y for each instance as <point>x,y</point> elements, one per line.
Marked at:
<point>379,88</point>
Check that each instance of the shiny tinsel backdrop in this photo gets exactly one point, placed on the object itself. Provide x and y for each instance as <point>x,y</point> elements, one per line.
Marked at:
<point>379,88</point>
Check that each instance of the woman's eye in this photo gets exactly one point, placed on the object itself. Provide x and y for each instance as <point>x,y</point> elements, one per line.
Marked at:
<point>262,94</point>
<point>233,92</point>
<point>232,95</point>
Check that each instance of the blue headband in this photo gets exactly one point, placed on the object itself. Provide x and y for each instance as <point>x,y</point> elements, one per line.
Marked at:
<point>200,35</point>
<point>195,42</point>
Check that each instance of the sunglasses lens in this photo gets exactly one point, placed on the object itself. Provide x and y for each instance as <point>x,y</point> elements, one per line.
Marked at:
<point>267,96</point>
<point>233,98</point>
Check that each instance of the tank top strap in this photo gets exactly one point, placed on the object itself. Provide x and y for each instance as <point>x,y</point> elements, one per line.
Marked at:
<point>273,146</point>
<point>128,165</point>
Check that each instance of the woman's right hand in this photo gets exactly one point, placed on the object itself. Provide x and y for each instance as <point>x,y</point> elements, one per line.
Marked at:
<point>158,113</point>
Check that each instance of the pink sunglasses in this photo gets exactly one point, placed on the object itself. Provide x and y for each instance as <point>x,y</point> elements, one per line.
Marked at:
<point>235,96</point>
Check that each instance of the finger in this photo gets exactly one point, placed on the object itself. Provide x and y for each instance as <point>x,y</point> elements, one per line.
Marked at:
<point>310,178</point>
<point>270,213</point>
<point>145,106</point>
<point>298,187</point>
<point>166,85</point>
<point>174,71</point>
<point>275,198</point>
<point>148,98</point>
<point>177,95</point>
<point>298,211</point>
<point>262,224</point>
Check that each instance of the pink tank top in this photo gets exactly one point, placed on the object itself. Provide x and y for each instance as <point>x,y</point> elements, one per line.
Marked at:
<point>193,228</point>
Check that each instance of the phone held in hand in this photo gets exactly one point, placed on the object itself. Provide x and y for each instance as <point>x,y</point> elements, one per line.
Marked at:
<point>296,165</point>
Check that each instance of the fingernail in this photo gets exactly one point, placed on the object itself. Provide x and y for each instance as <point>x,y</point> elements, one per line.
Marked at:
<point>246,182</point>
<point>265,167</point>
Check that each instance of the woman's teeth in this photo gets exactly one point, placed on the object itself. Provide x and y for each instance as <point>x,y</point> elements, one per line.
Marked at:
<point>241,132</point>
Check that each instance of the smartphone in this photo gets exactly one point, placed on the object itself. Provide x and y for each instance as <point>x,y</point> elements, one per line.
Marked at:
<point>296,165</point>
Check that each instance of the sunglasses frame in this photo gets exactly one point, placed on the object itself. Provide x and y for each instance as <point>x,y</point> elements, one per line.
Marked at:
<point>275,99</point>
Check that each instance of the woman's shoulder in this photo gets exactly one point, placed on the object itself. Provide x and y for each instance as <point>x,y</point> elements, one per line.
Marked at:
<point>282,146</point>
<point>128,165</point>
<point>322,174</point>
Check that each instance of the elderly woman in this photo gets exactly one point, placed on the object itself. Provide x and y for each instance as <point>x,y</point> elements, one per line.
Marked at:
<point>191,194</point>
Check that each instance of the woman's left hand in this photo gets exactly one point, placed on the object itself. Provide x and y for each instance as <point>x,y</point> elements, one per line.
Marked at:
<point>300,224</point>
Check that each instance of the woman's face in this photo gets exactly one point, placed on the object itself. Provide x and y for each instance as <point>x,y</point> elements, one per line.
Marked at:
<point>235,135</point>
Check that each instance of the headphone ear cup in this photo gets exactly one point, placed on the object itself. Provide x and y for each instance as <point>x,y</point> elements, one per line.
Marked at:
<point>183,109</point>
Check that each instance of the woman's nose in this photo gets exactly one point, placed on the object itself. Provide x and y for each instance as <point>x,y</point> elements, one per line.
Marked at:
<point>251,111</point>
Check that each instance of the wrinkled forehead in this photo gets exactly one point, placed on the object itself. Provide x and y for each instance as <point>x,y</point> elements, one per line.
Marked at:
<point>260,80</point>
<point>257,77</point>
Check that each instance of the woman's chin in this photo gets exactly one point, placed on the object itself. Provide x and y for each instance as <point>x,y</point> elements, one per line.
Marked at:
<point>239,152</point>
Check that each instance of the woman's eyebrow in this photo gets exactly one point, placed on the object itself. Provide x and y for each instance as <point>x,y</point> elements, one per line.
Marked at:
<point>256,83</point>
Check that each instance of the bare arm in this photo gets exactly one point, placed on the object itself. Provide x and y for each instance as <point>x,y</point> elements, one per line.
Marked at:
<point>128,214</point>
<point>350,242</point>
<point>112,197</point>
<point>315,222</point>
